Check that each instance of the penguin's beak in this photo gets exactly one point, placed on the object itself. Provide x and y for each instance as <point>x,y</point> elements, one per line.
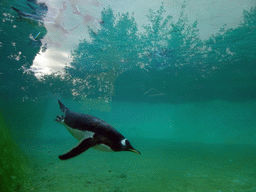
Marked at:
<point>134,151</point>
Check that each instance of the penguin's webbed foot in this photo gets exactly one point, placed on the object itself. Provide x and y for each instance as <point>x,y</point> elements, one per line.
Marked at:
<point>59,118</point>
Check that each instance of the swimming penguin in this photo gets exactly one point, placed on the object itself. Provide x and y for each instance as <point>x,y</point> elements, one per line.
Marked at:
<point>91,132</point>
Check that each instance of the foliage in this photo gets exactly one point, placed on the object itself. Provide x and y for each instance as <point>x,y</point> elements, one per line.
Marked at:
<point>113,49</point>
<point>231,51</point>
<point>171,46</point>
<point>170,54</point>
<point>57,85</point>
<point>118,47</point>
<point>154,40</point>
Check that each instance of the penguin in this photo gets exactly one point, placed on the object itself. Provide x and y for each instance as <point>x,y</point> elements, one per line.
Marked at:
<point>92,132</point>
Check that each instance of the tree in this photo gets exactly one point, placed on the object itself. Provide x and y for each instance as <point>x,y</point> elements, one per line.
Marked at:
<point>231,55</point>
<point>154,40</point>
<point>111,50</point>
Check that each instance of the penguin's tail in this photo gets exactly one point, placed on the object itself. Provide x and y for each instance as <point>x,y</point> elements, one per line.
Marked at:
<point>63,108</point>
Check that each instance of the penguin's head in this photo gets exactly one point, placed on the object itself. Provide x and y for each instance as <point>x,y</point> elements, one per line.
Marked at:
<point>126,146</point>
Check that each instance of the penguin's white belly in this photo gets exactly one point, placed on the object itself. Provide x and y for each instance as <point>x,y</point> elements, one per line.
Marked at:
<point>78,134</point>
<point>81,135</point>
<point>103,147</point>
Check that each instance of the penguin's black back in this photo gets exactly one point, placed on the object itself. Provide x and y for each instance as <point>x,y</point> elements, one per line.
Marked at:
<point>86,122</point>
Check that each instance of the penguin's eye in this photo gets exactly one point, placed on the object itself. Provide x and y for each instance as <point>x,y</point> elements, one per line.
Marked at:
<point>123,142</point>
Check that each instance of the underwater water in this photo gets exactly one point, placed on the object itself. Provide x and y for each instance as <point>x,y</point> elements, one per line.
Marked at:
<point>176,78</point>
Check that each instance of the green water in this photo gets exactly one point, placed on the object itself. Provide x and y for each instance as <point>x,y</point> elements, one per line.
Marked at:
<point>182,92</point>
<point>181,149</point>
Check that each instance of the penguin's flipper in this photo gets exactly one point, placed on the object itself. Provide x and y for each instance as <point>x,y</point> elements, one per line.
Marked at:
<point>80,148</point>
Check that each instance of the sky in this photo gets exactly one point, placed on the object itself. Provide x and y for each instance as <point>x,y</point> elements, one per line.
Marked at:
<point>66,28</point>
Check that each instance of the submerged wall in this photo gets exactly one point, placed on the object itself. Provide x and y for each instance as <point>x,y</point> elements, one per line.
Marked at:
<point>209,122</point>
